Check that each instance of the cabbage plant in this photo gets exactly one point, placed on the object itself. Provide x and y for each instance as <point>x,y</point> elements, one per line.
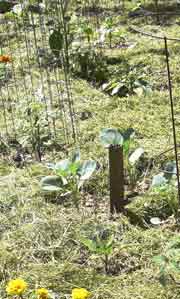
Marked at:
<point>68,175</point>
<point>101,243</point>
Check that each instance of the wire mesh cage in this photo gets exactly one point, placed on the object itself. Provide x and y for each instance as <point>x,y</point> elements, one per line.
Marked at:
<point>35,86</point>
<point>42,44</point>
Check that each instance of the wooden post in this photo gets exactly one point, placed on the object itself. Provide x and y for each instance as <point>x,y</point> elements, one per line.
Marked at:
<point>116,173</point>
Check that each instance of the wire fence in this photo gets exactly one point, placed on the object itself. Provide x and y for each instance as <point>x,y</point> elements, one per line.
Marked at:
<point>158,36</point>
<point>41,45</point>
<point>35,91</point>
<point>45,46</point>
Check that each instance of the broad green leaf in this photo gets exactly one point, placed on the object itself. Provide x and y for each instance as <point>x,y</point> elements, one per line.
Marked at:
<point>56,42</point>
<point>63,167</point>
<point>136,155</point>
<point>74,167</point>
<point>105,86</point>
<point>139,91</point>
<point>90,244</point>
<point>170,170</point>
<point>86,169</point>
<point>51,188</point>
<point>51,183</point>
<point>103,250</point>
<point>111,137</point>
<point>111,85</point>
<point>76,156</point>
<point>18,9</point>
<point>117,89</point>
<point>88,31</point>
<point>158,180</point>
<point>128,134</point>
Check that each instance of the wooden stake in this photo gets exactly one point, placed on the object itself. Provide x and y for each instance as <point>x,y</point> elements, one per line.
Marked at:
<point>116,172</point>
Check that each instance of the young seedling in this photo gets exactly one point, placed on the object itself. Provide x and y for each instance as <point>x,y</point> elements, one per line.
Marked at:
<point>101,243</point>
<point>168,262</point>
<point>87,30</point>
<point>109,24</point>
<point>165,176</point>
<point>68,176</point>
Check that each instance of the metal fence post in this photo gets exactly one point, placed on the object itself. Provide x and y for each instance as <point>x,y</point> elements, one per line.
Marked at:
<point>116,173</point>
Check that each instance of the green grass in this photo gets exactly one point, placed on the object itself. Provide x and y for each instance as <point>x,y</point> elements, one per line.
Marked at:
<point>39,238</point>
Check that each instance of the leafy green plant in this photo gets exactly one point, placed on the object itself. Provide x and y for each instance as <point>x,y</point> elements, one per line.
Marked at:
<point>33,124</point>
<point>56,41</point>
<point>100,242</point>
<point>89,64</point>
<point>136,6</point>
<point>169,172</point>
<point>169,262</point>
<point>87,30</point>
<point>68,176</point>
<point>109,25</point>
<point>61,37</point>
<point>131,158</point>
<point>130,83</point>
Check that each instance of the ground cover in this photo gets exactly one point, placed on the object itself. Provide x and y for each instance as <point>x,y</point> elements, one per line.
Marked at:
<point>41,233</point>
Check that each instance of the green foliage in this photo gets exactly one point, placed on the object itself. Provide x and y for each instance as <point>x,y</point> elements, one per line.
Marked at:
<point>109,24</point>
<point>5,6</point>
<point>100,242</point>
<point>52,183</point>
<point>69,175</point>
<point>159,203</point>
<point>87,30</point>
<point>40,236</point>
<point>130,83</point>
<point>113,137</point>
<point>169,261</point>
<point>32,124</point>
<point>89,64</point>
<point>167,175</point>
<point>56,41</point>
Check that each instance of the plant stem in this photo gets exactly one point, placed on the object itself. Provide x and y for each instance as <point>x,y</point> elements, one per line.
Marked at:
<point>106,261</point>
<point>110,40</point>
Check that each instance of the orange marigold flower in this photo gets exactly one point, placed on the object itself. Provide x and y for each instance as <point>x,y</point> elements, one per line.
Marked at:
<point>5,58</point>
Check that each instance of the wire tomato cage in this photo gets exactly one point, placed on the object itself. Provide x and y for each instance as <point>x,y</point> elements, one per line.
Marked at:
<point>165,38</point>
